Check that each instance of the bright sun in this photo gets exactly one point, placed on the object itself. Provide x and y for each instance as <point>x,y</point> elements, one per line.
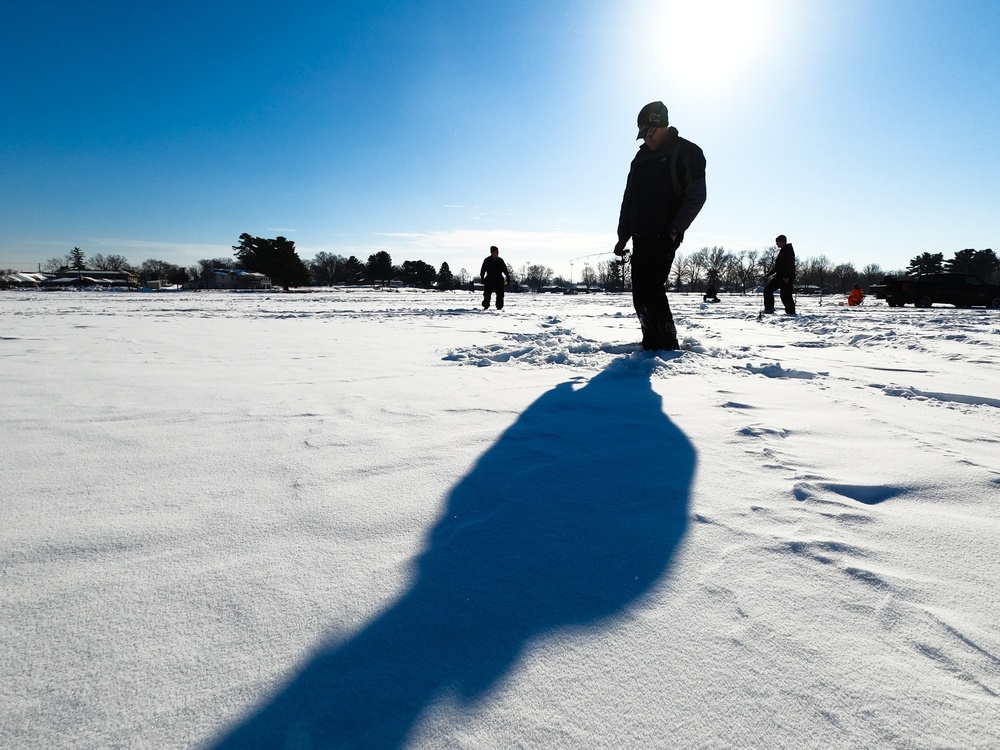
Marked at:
<point>713,43</point>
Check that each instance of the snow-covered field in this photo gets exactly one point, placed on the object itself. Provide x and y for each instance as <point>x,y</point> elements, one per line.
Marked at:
<point>390,519</point>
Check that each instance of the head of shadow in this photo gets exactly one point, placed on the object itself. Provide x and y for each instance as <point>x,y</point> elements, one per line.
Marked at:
<point>567,521</point>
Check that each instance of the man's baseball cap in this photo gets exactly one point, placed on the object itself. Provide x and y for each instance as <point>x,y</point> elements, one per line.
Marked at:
<point>653,115</point>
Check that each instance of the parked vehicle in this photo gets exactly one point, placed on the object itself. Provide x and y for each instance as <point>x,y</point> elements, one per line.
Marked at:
<point>958,289</point>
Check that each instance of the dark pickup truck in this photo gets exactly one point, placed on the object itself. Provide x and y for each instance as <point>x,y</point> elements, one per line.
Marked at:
<point>958,289</point>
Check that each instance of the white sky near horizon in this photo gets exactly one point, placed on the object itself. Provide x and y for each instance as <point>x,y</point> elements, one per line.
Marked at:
<point>865,131</point>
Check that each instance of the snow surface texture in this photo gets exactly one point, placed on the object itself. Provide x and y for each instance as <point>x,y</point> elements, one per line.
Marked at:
<point>391,519</point>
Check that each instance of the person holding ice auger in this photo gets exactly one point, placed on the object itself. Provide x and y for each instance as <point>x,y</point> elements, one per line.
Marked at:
<point>784,277</point>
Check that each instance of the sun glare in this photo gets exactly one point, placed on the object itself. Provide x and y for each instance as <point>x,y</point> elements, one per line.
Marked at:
<point>714,43</point>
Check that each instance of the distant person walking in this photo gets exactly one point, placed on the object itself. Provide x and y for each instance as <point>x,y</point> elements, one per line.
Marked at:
<point>784,277</point>
<point>664,192</point>
<point>495,276</point>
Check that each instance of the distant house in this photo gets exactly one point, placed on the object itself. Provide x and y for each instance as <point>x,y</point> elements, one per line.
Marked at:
<point>67,277</point>
<point>23,280</point>
<point>235,278</point>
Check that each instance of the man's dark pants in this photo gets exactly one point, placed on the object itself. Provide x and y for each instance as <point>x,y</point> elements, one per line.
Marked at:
<point>652,257</point>
<point>491,286</point>
<point>787,294</point>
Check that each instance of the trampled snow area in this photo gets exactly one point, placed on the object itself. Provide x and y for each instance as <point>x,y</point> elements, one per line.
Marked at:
<point>390,519</point>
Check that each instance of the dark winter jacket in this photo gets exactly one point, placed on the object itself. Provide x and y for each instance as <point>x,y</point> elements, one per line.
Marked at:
<point>493,268</point>
<point>784,264</point>
<point>665,189</point>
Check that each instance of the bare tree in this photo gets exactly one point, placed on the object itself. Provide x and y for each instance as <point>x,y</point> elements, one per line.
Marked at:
<point>871,274</point>
<point>513,281</point>
<point>844,276</point>
<point>681,270</point>
<point>324,267</point>
<point>717,261</point>
<point>766,260</point>
<point>697,263</point>
<point>54,265</point>
<point>153,269</point>
<point>537,276</point>
<point>108,263</point>
<point>730,276</point>
<point>816,271</point>
<point>747,269</point>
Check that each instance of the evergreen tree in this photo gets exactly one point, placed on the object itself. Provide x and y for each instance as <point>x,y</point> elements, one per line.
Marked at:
<point>417,273</point>
<point>613,274</point>
<point>76,259</point>
<point>275,259</point>
<point>445,278</point>
<point>981,263</point>
<point>351,271</point>
<point>926,263</point>
<point>379,268</point>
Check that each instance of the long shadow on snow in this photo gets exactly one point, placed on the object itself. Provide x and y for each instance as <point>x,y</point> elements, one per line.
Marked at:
<point>570,518</point>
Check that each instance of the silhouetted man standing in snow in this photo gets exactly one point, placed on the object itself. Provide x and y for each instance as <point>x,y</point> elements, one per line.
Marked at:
<point>784,277</point>
<point>664,193</point>
<point>495,275</point>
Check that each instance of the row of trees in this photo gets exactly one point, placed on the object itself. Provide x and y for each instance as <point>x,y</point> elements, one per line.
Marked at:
<point>982,263</point>
<point>737,272</point>
<point>747,269</point>
<point>276,258</point>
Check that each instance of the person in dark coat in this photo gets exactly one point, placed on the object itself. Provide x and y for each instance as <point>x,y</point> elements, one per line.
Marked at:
<point>495,276</point>
<point>664,192</point>
<point>784,277</point>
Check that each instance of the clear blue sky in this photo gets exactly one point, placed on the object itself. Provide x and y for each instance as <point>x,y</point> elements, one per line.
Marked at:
<point>865,130</point>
